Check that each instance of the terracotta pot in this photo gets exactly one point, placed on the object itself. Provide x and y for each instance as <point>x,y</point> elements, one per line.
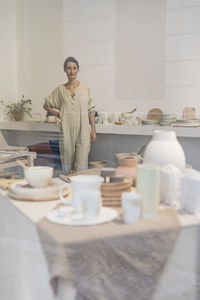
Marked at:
<point>128,168</point>
<point>120,156</point>
<point>18,116</point>
<point>129,162</point>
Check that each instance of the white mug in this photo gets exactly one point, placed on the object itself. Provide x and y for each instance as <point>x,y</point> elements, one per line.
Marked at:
<point>79,184</point>
<point>170,177</point>
<point>131,207</point>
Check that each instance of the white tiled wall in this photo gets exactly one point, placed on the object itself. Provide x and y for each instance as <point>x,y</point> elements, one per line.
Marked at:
<point>126,54</point>
<point>182,65</point>
<point>120,46</point>
<point>89,37</point>
<point>8,55</point>
<point>39,49</point>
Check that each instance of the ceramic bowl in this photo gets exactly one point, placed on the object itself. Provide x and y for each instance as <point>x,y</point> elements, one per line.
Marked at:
<point>39,176</point>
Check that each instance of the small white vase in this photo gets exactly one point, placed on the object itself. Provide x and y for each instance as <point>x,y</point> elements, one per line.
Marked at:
<point>164,149</point>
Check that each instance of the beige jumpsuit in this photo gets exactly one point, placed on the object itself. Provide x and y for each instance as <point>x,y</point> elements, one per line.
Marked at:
<point>74,112</point>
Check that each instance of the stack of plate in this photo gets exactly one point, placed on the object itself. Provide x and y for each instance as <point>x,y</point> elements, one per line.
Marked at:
<point>111,192</point>
<point>167,120</point>
<point>149,122</point>
<point>188,122</point>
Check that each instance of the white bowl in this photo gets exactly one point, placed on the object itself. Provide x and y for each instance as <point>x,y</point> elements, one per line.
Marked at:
<point>39,176</point>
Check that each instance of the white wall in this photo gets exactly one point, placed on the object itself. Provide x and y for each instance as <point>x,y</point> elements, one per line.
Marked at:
<point>39,49</point>
<point>120,46</point>
<point>89,37</point>
<point>140,48</point>
<point>8,55</point>
<point>182,65</point>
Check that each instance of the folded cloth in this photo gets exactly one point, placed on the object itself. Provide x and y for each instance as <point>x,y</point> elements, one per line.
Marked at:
<point>13,148</point>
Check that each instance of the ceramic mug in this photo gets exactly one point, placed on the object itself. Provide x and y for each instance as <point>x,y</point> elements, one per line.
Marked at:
<point>131,207</point>
<point>80,184</point>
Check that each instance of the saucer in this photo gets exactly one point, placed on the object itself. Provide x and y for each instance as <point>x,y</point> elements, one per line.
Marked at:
<point>23,191</point>
<point>72,219</point>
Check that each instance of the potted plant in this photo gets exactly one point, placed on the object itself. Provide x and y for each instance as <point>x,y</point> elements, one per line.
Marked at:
<point>16,110</point>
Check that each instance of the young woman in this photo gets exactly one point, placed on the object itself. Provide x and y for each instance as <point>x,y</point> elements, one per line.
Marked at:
<point>75,107</point>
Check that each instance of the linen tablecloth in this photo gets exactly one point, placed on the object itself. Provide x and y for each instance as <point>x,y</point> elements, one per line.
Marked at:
<point>110,261</point>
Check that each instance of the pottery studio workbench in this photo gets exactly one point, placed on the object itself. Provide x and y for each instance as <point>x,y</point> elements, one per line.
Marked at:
<point>111,139</point>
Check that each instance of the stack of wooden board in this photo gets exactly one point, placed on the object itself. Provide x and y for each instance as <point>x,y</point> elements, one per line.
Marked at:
<point>111,192</point>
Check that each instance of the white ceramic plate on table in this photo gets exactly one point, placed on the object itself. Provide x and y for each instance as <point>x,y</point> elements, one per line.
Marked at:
<point>21,190</point>
<point>58,216</point>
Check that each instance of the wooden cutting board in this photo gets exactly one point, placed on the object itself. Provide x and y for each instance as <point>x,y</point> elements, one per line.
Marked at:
<point>189,113</point>
<point>154,114</point>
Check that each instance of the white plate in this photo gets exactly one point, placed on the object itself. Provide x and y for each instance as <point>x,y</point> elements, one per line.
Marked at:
<point>23,189</point>
<point>59,217</point>
<point>188,121</point>
<point>149,122</point>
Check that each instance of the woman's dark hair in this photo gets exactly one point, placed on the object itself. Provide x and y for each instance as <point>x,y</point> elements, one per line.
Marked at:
<point>70,59</point>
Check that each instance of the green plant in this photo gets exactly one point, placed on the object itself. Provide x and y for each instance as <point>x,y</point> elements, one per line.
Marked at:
<point>18,108</point>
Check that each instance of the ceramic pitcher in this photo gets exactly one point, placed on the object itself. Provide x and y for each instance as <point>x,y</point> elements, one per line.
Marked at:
<point>79,184</point>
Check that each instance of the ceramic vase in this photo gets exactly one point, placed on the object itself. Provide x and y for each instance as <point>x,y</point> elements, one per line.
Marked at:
<point>165,149</point>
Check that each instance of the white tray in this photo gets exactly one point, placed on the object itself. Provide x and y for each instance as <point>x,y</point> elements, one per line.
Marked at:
<point>58,216</point>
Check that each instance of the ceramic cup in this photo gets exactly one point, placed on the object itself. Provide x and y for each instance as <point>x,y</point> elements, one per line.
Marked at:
<point>38,176</point>
<point>170,177</point>
<point>148,185</point>
<point>80,184</point>
<point>131,207</point>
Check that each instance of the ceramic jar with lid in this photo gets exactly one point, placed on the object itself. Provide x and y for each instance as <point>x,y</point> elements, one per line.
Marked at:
<point>127,168</point>
<point>165,149</point>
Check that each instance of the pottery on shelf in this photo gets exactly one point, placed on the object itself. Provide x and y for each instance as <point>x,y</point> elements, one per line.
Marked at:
<point>165,149</point>
<point>120,156</point>
<point>127,168</point>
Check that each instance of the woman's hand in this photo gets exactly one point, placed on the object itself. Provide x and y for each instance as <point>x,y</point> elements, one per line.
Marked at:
<point>93,136</point>
<point>51,111</point>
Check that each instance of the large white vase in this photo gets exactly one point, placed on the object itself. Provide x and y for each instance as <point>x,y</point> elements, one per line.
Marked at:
<point>164,149</point>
